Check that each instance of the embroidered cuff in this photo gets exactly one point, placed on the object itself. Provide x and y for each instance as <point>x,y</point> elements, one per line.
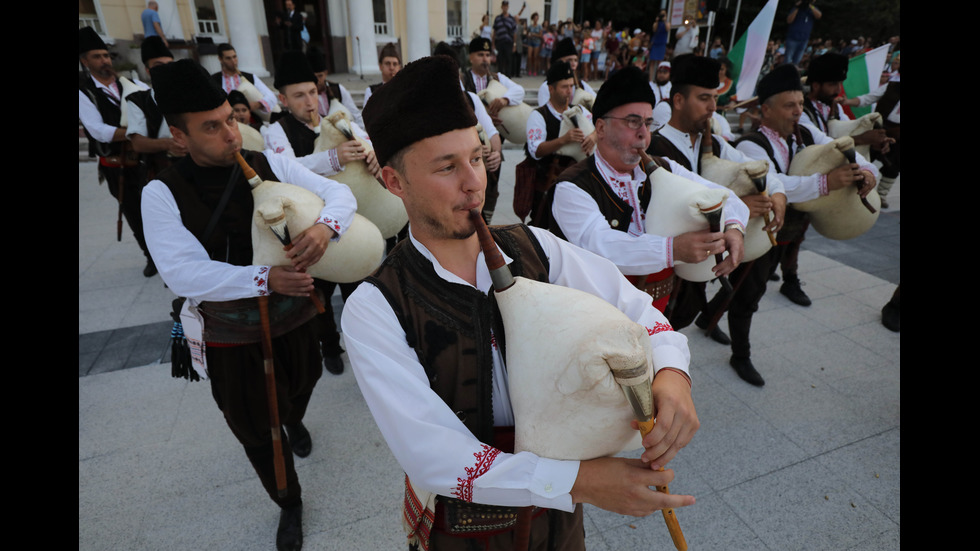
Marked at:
<point>333,225</point>
<point>822,185</point>
<point>483,459</point>
<point>261,280</point>
<point>334,160</point>
<point>670,252</point>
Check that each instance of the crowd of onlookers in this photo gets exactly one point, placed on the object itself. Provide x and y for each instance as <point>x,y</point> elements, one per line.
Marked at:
<point>604,50</point>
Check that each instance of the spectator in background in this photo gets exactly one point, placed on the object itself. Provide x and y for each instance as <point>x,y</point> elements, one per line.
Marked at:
<point>800,19</point>
<point>547,43</point>
<point>519,32</point>
<point>686,38</point>
<point>504,28</point>
<point>658,42</point>
<point>717,49</point>
<point>533,44</point>
<point>151,22</point>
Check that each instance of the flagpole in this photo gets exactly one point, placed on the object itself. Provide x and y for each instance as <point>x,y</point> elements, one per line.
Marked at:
<point>738,8</point>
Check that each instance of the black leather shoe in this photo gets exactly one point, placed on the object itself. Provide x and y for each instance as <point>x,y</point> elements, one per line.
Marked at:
<point>716,334</point>
<point>793,291</point>
<point>333,364</point>
<point>774,277</point>
<point>299,439</point>
<point>151,268</point>
<point>746,371</point>
<point>891,317</point>
<point>289,537</point>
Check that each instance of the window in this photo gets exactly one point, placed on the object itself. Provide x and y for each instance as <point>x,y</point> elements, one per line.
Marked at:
<point>454,19</point>
<point>206,17</point>
<point>382,18</point>
<point>88,16</point>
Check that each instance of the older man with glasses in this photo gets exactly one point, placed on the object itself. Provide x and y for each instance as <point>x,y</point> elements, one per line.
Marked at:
<point>600,203</point>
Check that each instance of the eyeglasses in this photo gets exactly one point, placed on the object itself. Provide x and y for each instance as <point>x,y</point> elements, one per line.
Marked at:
<point>634,122</point>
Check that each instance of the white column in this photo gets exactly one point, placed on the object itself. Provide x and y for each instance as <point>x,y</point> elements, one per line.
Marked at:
<point>243,33</point>
<point>417,29</point>
<point>363,48</point>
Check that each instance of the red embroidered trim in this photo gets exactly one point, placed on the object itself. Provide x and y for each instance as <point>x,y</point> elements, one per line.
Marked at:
<point>417,516</point>
<point>260,281</point>
<point>659,327</point>
<point>484,458</point>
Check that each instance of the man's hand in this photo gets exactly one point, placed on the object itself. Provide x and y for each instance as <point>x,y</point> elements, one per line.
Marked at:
<point>778,213</point>
<point>698,246</point>
<point>495,106</point>
<point>175,149</point>
<point>372,164</point>
<point>759,204</point>
<point>575,135</point>
<point>589,143</point>
<point>492,160</point>
<point>350,151</point>
<point>285,280</point>
<point>843,176</point>
<point>309,246</point>
<point>868,184</point>
<point>876,138</point>
<point>677,420</point>
<point>735,245</point>
<point>624,486</point>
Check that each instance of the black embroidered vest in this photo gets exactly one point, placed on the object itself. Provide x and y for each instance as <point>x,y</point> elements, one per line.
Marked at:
<point>198,190</point>
<point>585,175</point>
<point>660,146</point>
<point>301,137</point>
<point>111,115</point>
<point>448,324</point>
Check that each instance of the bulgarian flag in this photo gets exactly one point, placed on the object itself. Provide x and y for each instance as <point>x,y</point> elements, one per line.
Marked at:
<point>749,52</point>
<point>863,74</point>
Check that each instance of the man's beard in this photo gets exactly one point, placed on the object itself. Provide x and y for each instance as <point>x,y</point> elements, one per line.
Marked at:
<point>106,72</point>
<point>662,82</point>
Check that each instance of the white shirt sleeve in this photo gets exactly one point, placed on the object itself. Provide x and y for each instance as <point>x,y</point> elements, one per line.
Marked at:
<point>348,101</point>
<point>482,116</point>
<point>367,94</point>
<point>91,119</point>
<point>734,211</point>
<point>269,97</point>
<point>543,94</point>
<point>796,188</point>
<point>583,224</point>
<point>135,120</point>
<point>537,133</point>
<point>820,138</point>
<point>774,183</point>
<point>515,92</point>
<point>324,163</point>
<point>184,263</point>
<point>427,439</point>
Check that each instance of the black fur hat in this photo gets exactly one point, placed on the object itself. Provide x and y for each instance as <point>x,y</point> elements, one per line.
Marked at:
<point>783,78</point>
<point>829,67</point>
<point>629,85</point>
<point>185,87</point>
<point>293,67</point>
<point>694,70</point>
<point>153,47</point>
<point>423,100</point>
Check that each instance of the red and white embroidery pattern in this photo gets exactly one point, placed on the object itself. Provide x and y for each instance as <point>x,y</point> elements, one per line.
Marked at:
<point>261,282</point>
<point>330,222</point>
<point>659,327</point>
<point>484,458</point>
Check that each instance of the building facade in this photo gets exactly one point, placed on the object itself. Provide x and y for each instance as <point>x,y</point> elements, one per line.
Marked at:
<point>352,32</point>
